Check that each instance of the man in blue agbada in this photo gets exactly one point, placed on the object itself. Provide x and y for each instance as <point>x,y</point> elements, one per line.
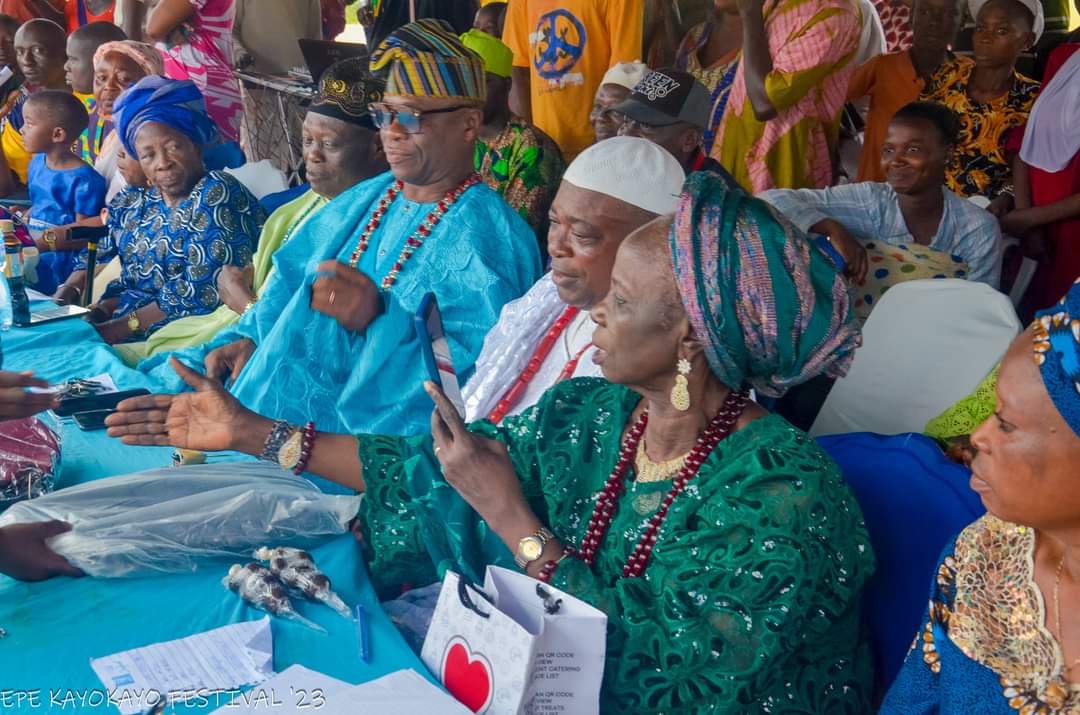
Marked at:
<point>332,339</point>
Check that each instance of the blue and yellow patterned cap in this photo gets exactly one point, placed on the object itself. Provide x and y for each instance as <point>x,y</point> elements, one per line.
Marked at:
<point>426,59</point>
<point>1057,352</point>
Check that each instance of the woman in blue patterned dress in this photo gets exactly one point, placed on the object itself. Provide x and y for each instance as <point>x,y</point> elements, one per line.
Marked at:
<point>173,238</point>
<point>1002,632</point>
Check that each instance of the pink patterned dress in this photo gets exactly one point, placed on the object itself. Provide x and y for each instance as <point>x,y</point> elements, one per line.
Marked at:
<point>205,56</point>
<point>813,45</point>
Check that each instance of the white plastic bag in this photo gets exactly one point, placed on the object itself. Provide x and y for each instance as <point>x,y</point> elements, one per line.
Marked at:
<point>168,520</point>
<point>517,647</point>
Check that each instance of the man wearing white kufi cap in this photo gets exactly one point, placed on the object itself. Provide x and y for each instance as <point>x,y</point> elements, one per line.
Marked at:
<point>614,88</point>
<point>611,189</point>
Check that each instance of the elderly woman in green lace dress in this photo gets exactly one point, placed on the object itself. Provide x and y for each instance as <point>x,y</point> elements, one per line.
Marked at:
<point>720,541</point>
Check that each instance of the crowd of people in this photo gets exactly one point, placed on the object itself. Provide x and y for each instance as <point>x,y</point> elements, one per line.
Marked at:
<point>638,243</point>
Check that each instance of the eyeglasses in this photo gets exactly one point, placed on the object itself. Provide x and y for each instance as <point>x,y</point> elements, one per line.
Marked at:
<point>608,115</point>
<point>408,119</point>
<point>630,124</point>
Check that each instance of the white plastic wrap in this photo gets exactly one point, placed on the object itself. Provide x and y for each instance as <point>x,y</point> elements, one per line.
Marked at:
<point>169,520</point>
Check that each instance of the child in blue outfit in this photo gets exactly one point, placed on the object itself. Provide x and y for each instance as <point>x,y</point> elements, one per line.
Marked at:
<point>64,189</point>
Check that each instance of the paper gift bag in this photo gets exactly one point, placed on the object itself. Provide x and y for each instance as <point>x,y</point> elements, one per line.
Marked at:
<point>517,647</point>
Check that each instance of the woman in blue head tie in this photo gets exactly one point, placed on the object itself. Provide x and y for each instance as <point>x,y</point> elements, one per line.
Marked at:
<point>173,238</point>
<point>1002,632</point>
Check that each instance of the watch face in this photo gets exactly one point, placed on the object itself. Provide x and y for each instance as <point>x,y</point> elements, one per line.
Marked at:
<point>531,548</point>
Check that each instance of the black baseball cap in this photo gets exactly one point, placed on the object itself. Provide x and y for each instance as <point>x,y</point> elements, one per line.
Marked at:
<point>667,96</point>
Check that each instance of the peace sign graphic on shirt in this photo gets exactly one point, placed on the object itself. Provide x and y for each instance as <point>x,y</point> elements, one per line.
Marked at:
<point>559,45</point>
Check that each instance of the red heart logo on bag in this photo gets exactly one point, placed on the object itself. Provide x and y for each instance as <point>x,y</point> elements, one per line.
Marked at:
<point>467,675</point>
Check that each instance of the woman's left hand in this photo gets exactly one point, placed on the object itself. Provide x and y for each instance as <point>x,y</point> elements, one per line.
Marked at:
<point>478,468</point>
<point>114,331</point>
<point>1000,206</point>
<point>346,295</point>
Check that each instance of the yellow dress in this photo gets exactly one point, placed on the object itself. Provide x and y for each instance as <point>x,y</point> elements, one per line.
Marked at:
<point>980,167</point>
<point>813,46</point>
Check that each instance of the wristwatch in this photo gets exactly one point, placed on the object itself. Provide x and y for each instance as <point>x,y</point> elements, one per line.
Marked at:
<point>531,547</point>
<point>50,239</point>
<point>133,323</point>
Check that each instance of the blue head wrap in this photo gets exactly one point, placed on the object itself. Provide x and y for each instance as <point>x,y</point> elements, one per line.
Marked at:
<point>175,103</point>
<point>1057,351</point>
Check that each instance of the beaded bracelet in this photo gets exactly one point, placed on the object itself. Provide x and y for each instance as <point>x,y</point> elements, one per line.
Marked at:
<point>279,435</point>
<point>547,571</point>
<point>307,445</point>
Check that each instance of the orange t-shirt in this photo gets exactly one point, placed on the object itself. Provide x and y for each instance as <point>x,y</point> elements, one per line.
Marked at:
<point>26,10</point>
<point>890,82</point>
<point>77,8</point>
<point>568,45</point>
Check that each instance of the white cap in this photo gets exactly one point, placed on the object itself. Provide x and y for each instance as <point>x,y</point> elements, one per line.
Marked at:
<point>1034,6</point>
<point>625,74</point>
<point>630,169</point>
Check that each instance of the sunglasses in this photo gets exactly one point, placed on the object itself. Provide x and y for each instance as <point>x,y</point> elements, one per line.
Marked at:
<point>408,119</point>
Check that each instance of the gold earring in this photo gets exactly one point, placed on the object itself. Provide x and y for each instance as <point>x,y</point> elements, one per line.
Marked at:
<point>680,396</point>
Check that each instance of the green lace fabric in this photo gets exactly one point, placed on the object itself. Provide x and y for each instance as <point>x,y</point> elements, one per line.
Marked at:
<point>961,419</point>
<point>751,600</point>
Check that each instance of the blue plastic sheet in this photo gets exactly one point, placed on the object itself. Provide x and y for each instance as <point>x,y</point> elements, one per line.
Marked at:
<point>55,627</point>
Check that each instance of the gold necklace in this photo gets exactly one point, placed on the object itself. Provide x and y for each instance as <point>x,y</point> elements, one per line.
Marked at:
<point>1067,668</point>
<point>648,471</point>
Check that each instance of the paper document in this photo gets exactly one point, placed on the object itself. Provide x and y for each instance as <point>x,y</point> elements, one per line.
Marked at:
<point>225,658</point>
<point>30,292</point>
<point>299,690</point>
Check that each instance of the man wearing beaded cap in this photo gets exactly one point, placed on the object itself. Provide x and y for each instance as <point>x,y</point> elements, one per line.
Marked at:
<point>331,340</point>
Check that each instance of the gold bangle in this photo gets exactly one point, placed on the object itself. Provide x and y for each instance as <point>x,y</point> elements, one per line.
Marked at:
<point>249,306</point>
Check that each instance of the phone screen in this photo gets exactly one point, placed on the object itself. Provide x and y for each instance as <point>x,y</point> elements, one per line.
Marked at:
<point>93,420</point>
<point>443,361</point>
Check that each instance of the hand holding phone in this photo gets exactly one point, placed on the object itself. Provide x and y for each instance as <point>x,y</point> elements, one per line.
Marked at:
<point>435,349</point>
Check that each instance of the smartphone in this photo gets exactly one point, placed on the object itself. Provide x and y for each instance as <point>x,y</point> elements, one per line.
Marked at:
<point>436,351</point>
<point>88,233</point>
<point>92,420</point>
<point>825,246</point>
<point>95,403</point>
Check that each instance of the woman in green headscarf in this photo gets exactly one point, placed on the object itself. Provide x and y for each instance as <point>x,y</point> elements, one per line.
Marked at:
<point>720,541</point>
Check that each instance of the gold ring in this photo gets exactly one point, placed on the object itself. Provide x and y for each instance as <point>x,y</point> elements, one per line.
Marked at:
<point>333,295</point>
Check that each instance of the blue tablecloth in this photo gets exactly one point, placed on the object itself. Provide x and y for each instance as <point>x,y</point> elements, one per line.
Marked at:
<point>55,627</point>
<point>71,348</point>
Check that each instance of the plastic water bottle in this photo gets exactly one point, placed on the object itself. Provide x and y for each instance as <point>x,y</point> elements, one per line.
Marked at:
<point>13,273</point>
<point>6,314</point>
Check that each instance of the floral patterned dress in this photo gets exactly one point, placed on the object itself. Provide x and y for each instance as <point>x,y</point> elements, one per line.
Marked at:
<point>981,167</point>
<point>985,648</point>
<point>205,56</point>
<point>523,166</point>
<point>750,602</point>
<point>172,256</point>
